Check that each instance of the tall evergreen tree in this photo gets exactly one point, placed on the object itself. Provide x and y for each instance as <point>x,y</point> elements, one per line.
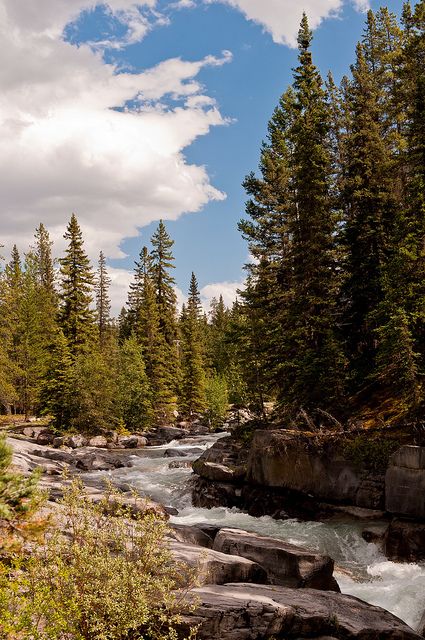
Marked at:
<point>154,346</point>
<point>103,303</point>
<point>76,316</point>
<point>193,365</point>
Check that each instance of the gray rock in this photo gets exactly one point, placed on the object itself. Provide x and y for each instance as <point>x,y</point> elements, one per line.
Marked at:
<point>98,441</point>
<point>76,441</point>
<point>405,482</point>
<point>215,567</point>
<point>405,540</point>
<point>259,612</point>
<point>132,442</point>
<point>45,437</point>
<point>286,564</point>
<point>283,459</point>
<point>175,453</point>
<point>166,434</point>
<point>217,472</point>
<point>191,535</point>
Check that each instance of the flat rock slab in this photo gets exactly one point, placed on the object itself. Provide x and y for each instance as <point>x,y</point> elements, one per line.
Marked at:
<point>285,564</point>
<point>259,612</point>
<point>215,567</point>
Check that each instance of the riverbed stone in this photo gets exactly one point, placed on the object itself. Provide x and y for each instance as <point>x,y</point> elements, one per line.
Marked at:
<point>405,540</point>
<point>286,564</point>
<point>261,612</point>
<point>405,482</point>
<point>191,534</point>
<point>132,441</point>
<point>214,567</point>
<point>98,441</point>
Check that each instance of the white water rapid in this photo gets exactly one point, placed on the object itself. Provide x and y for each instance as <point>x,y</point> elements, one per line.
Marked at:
<point>361,568</point>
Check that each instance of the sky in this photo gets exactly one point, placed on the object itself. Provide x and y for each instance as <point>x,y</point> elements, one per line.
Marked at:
<point>127,113</point>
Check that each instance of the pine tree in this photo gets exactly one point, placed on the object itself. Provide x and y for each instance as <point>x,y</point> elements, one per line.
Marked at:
<point>162,262</point>
<point>161,265</point>
<point>154,346</point>
<point>193,366</point>
<point>370,207</point>
<point>76,316</point>
<point>45,264</point>
<point>103,303</point>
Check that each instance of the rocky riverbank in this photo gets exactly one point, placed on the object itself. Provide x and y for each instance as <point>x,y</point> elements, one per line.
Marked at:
<point>252,586</point>
<point>288,474</point>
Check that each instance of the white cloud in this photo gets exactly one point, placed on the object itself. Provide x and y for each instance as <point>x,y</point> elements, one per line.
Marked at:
<point>213,290</point>
<point>75,135</point>
<point>118,292</point>
<point>281,18</point>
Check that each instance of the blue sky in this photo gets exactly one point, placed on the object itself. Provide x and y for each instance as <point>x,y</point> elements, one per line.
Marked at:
<point>202,123</point>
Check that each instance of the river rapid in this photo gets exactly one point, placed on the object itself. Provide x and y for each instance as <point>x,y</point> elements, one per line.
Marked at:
<point>361,568</point>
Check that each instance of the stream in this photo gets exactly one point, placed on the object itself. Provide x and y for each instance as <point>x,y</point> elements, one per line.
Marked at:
<point>361,568</point>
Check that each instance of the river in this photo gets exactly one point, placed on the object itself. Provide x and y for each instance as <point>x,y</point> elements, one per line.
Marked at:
<point>361,568</point>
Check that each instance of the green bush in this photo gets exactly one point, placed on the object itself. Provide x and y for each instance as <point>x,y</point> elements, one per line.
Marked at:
<point>370,453</point>
<point>95,577</point>
<point>217,401</point>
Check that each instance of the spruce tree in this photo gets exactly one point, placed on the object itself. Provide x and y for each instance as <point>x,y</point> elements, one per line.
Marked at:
<point>162,262</point>
<point>103,303</point>
<point>76,316</point>
<point>193,365</point>
<point>154,346</point>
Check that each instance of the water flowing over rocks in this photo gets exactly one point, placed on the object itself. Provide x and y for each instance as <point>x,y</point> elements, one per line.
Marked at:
<point>285,564</point>
<point>248,612</point>
<point>253,586</point>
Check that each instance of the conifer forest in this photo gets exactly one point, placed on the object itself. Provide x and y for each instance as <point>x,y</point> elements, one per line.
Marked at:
<point>302,404</point>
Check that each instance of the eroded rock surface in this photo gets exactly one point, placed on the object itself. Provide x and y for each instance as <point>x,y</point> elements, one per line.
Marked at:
<point>255,612</point>
<point>285,564</point>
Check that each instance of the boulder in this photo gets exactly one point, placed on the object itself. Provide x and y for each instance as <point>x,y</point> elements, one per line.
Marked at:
<point>208,494</point>
<point>132,442</point>
<point>215,567</point>
<point>217,472</point>
<point>405,540</point>
<point>45,437</point>
<point>75,441</point>
<point>175,453</point>
<point>191,534</point>
<point>285,564</point>
<point>405,482</point>
<point>260,612</point>
<point>166,434</point>
<point>96,462</point>
<point>98,441</point>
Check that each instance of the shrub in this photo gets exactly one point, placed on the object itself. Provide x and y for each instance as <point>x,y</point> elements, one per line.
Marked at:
<point>217,401</point>
<point>20,501</point>
<point>95,577</point>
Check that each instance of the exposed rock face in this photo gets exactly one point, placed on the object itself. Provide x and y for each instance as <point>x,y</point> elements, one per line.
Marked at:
<point>285,564</point>
<point>282,459</point>
<point>132,442</point>
<point>191,534</point>
<point>217,568</point>
<point>255,612</point>
<point>405,482</point>
<point>98,441</point>
<point>405,540</point>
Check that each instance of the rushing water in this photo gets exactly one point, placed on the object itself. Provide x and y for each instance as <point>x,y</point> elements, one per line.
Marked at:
<point>361,568</point>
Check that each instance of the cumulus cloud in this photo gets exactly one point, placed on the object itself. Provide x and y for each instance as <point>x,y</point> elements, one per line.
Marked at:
<point>77,135</point>
<point>229,291</point>
<point>281,18</point>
